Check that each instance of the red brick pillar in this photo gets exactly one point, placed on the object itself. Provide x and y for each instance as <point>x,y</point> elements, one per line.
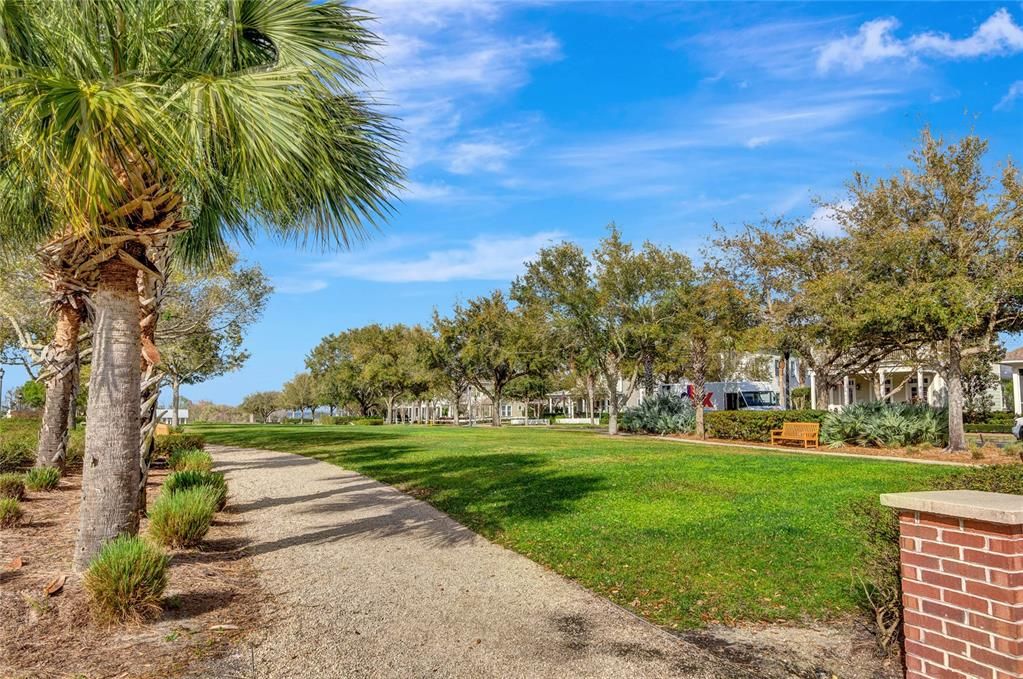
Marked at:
<point>962,583</point>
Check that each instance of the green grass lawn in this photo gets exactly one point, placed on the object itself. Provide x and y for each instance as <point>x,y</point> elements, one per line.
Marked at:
<point>681,533</point>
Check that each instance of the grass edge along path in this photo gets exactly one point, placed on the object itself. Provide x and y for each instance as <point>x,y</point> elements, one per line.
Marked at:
<point>681,534</point>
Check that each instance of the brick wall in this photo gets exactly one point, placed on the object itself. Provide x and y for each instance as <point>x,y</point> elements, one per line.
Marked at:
<point>962,582</point>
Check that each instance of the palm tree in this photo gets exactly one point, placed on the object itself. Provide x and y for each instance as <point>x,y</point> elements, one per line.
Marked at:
<point>135,125</point>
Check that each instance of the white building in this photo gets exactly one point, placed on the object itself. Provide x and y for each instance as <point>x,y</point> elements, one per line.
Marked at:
<point>166,416</point>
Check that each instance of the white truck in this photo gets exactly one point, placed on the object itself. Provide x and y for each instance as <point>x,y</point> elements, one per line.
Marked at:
<point>733,395</point>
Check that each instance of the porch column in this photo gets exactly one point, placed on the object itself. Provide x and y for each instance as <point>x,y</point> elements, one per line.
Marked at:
<point>813,392</point>
<point>920,393</point>
<point>880,386</point>
<point>845,390</point>
<point>1017,392</point>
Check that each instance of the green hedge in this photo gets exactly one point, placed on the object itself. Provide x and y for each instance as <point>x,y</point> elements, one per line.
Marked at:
<point>989,428</point>
<point>171,443</point>
<point>754,425</point>
<point>349,419</point>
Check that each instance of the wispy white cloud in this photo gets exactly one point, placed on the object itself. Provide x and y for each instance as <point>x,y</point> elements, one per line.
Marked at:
<point>292,285</point>
<point>427,191</point>
<point>875,42</point>
<point>442,64</point>
<point>1015,92</point>
<point>473,156</point>
<point>486,257</point>
<point>824,219</point>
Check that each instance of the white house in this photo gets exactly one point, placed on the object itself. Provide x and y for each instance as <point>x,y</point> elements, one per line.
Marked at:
<point>166,415</point>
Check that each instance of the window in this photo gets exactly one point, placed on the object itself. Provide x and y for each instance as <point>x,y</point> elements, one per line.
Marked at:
<point>506,411</point>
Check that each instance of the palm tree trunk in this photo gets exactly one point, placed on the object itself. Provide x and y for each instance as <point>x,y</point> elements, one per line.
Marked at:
<point>60,389</point>
<point>111,471</point>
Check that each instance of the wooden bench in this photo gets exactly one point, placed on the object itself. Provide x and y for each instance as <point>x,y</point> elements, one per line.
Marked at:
<point>798,432</point>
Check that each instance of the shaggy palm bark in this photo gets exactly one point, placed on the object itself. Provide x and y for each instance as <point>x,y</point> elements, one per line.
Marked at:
<point>62,355</point>
<point>110,469</point>
<point>151,289</point>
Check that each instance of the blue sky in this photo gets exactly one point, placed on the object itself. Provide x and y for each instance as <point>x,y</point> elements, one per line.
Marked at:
<point>532,122</point>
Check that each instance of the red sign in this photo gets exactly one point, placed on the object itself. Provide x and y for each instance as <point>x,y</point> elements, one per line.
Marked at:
<point>708,401</point>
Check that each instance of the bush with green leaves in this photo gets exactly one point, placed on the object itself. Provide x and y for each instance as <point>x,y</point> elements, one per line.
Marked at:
<point>12,485</point>
<point>800,397</point>
<point>878,527</point>
<point>664,414</point>
<point>182,518</point>
<point>15,453</point>
<point>183,459</point>
<point>886,425</point>
<point>194,478</point>
<point>168,444</point>
<point>42,479</point>
<point>10,512</point>
<point>126,580</point>
<point>349,419</point>
<point>754,425</point>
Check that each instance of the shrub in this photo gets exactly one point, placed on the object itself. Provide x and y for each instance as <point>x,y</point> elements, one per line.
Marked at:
<point>182,518</point>
<point>997,417</point>
<point>12,485</point>
<point>199,460</point>
<point>126,580</point>
<point>15,453</point>
<point>754,425</point>
<point>660,415</point>
<point>10,512</point>
<point>989,428</point>
<point>42,478</point>
<point>800,397</point>
<point>169,444</point>
<point>886,425</point>
<point>350,419</point>
<point>193,478</point>
<point>75,448</point>
<point>878,526</point>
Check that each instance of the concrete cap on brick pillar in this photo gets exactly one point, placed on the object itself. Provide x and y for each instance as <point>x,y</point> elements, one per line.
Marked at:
<point>964,504</point>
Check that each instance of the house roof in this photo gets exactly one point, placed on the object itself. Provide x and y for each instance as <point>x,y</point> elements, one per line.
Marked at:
<point>1013,355</point>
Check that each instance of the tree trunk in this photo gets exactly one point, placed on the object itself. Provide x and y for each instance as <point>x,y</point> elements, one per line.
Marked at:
<point>956,430</point>
<point>590,389</point>
<point>785,405</point>
<point>110,470</point>
<point>176,402</point>
<point>390,411</point>
<point>612,403</point>
<point>495,415</point>
<point>456,410</point>
<point>60,389</point>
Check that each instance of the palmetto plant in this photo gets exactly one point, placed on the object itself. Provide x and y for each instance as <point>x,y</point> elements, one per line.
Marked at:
<point>886,425</point>
<point>128,127</point>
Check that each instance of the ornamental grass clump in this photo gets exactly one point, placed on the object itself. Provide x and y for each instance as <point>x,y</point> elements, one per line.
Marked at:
<point>194,478</point>
<point>40,479</point>
<point>126,580</point>
<point>660,415</point>
<point>10,512</point>
<point>12,485</point>
<point>886,425</point>
<point>198,460</point>
<point>182,518</point>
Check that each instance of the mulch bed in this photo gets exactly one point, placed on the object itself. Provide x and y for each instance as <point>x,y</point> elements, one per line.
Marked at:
<point>212,599</point>
<point>988,454</point>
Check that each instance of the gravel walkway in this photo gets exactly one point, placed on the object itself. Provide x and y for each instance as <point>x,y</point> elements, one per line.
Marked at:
<point>368,582</point>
